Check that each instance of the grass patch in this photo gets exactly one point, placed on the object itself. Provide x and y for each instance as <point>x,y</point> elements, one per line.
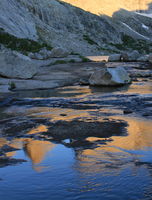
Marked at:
<point>60,62</point>
<point>19,44</point>
<point>72,61</point>
<point>131,43</point>
<point>89,40</point>
<point>12,86</point>
<point>84,59</point>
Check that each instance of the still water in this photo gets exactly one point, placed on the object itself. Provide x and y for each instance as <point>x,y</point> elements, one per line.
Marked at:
<point>115,166</point>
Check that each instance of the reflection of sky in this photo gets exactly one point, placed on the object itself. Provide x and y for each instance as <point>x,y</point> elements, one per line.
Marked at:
<point>119,169</point>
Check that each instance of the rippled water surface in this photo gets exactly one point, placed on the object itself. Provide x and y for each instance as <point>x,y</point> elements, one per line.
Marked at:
<point>78,144</point>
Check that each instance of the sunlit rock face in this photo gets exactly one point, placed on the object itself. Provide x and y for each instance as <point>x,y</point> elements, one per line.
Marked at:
<point>108,7</point>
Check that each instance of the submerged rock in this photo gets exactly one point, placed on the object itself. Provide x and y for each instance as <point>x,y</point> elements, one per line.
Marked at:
<point>110,77</point>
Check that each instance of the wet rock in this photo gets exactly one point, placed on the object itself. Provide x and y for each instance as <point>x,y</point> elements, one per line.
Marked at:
<point>114,57</point>
<point>150,58</point>
<point>141,73</point>
<point>110,77</point>
<point>127,111</point>
<point>80,130</point>
<point>63,114</point>
<point>7,148</point>
<point>4,89</point>
<point>84,82</point>
<point>15,65</point>
<point>6,161</point>
<point>146,114</point>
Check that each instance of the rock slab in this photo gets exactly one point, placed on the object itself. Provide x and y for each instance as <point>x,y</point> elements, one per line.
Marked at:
<point>15,65</point>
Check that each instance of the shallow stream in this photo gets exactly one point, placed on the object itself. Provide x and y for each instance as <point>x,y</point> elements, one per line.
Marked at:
<point>76,143</point>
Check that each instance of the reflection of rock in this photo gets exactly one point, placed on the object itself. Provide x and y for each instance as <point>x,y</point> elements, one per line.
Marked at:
<point>115,151</point>
<point>6,161</point>
<point>110,77</point>
<point>39,129</point>
<point>36,150</point>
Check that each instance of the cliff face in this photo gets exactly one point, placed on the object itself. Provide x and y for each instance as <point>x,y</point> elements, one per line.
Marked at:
<point>108,7</point>
<point>58,23</point>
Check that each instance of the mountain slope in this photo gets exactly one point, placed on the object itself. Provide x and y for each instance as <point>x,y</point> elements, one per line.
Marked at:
<point>60,24</point>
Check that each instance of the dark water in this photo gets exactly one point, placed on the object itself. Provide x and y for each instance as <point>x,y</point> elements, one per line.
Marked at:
<point>111,159</point>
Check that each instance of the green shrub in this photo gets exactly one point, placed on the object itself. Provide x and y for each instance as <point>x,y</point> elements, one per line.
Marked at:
<point>89,40</point>
<point>12,86</point>
<point>84,59</point>
<point>59,62</point>
<point>20,44</point>
<point>72,61</point>
<point>131,43</point>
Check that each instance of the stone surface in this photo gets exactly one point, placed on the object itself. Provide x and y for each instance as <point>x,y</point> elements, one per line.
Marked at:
<point>131,56</point>
<point>150,58</point>
<point>143,58</point>
<point>54,76</point>
<point>14,65</point>
<point>58,53</point>
<point>44,54</point>
<point>110,77</point>
<point>114,57</point>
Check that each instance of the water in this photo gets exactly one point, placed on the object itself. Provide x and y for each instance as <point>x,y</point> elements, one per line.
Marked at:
<point>111,160</point>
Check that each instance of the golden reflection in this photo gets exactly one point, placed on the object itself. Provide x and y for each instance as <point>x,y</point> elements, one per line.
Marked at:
<point>139,137</point>
<point>75,90</point>
<point>3,142</point>
<point>114,151</point>
<point>39,129</point>
<point>108,7</point>
<point>56,114</point>
<point>36,149</point>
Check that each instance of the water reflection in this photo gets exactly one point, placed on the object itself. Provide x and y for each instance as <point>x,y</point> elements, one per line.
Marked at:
<point>36,150</point>
<point>91,156</point>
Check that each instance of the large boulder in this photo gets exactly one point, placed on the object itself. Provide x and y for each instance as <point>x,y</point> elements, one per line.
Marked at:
<point>110,77</point>
<point>128,57</point>
<point>114,58</point>
<point>150,58</point>
<point>16,65</point>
